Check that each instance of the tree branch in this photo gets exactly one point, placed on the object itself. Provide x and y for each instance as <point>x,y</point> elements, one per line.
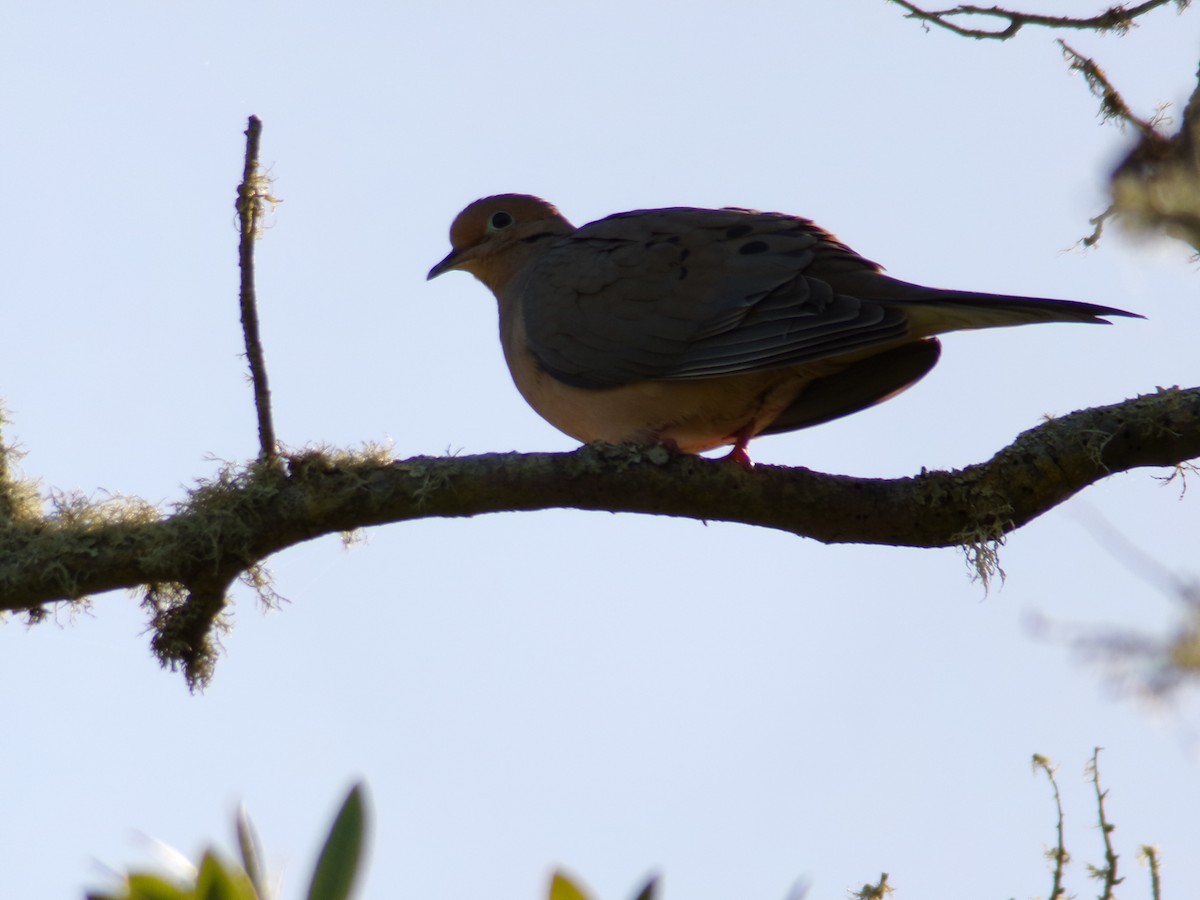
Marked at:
<point>253,196</point>
<point>1156,188</point>
<point>185,561</point>
<point>1108,872</point>
<point>1116,18</point>
<point>1112,104</point>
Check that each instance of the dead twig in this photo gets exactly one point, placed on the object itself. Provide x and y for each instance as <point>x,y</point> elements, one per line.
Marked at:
<point>253,196</point>
<point>1116,18</point>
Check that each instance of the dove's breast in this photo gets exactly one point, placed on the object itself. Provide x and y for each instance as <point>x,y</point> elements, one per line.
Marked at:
<point>696,415</point>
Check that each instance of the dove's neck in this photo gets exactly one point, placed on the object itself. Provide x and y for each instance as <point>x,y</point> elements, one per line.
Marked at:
<point>496,272</point>
<point>499,270</point>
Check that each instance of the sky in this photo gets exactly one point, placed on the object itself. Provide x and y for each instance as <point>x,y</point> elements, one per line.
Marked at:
<point>736,709</point>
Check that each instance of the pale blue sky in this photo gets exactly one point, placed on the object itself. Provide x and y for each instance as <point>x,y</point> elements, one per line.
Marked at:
<point>735,708</point>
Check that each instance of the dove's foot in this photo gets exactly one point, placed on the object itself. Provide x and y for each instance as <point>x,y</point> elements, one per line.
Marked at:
<point>738,454</point>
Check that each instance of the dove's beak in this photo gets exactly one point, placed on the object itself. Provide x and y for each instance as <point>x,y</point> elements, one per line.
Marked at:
<point>449,263</point>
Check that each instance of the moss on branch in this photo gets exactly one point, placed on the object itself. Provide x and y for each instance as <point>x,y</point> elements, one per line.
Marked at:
<point>184,561</point>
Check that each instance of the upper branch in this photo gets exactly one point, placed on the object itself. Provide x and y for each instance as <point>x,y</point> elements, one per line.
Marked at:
<point>253,195</point>
<point>1157,186</point>
<point>1112,104</point>
<point>1117,18</point>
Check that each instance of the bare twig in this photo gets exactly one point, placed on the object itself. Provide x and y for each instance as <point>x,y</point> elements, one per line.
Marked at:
<point>1156,185</point>
<point>1107,873</point>
<point>1112,104</point>
<point>1116,18</point>
<point>875,891</point>
<point>1156,188</point>
<point>1098,227</point>
<point>1059,854</point>
<point>253,195</point>
<point>1179,473</point>
<point>1150,855</point>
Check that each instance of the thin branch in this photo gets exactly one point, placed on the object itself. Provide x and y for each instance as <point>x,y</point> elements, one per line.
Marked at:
<point>1097,223</point>
<point>1059,853</point>
<point>1150,855</point>
<point>1116,18</point>
<point>253,196</point>
<point>876,891</point>
<point>1156,188</point>
<point>1108,874</point>
<point>1112,104</point>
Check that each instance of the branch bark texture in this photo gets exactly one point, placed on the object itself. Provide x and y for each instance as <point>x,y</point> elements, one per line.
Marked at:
<point>1119,18</point>
<point>253,196</point>
<point>235,522</point>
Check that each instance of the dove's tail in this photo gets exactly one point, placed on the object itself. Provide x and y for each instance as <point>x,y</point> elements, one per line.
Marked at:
<point>936,311</point>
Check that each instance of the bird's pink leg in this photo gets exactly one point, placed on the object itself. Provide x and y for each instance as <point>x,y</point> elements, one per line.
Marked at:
<point>738,454</point>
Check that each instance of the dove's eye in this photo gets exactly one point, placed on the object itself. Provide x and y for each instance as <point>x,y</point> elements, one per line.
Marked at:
<point>499,221</point>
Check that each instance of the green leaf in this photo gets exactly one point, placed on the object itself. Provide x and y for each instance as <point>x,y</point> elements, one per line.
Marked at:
<point>218,880</point>
<point>341,856</point>
<point>251,851</point>
<point>563,888</point>
<point>147,886</point>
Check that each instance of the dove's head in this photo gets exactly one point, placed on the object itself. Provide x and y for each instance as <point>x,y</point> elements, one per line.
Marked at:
<point>494,237</point>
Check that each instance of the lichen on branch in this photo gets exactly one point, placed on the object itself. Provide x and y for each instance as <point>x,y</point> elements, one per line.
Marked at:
<point>185,560</point>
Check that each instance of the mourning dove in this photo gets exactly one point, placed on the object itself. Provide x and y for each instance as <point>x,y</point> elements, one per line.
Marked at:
<point>706,327</point>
